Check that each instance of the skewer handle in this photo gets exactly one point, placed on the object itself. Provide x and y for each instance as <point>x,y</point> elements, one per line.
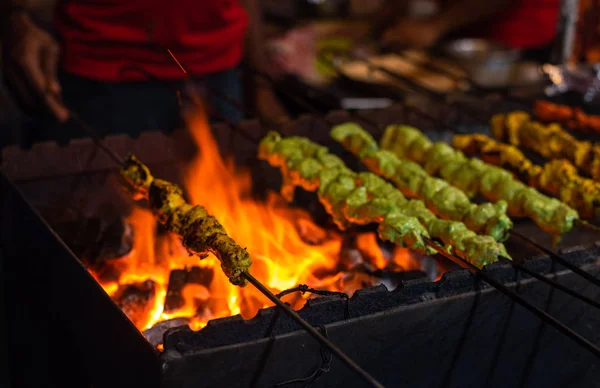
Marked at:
<point>312,331</point>
<point>541,314</point>
<point>558,258</point>
<point>556,285</point>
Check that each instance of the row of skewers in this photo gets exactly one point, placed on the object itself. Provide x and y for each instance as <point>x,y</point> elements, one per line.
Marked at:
<point>351,198</point>
<point>419,210</point>
<point>431,196</point>
<point>567,156</point>
<point>521,198</point>
<point>443,208</point>
<point>435,185</point>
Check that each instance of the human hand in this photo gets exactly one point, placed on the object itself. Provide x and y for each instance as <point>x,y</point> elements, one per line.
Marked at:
<point>31,60</point>
<point>414,33</point>
<point>268,106</point>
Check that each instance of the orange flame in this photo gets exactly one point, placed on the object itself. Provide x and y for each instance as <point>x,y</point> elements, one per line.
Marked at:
<point>271,231</point>
<point>268,230</point>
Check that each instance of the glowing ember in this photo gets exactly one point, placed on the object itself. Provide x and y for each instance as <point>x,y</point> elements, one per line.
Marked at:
<point>286,246</point>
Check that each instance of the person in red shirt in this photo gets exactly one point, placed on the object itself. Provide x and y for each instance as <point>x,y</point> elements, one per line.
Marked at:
<point>108,61</point>
<point>521,24</point>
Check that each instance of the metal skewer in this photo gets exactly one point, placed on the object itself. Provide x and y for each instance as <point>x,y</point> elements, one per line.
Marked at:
<point>556,285</point>
<point>96,138</point>
<point>312,331</point>
<point>558,258</point>
<point>519,299</point>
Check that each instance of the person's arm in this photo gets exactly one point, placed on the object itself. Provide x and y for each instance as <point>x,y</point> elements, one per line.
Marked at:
<point>267,103</point>
<point>30,59</point>
<point>461,13</point>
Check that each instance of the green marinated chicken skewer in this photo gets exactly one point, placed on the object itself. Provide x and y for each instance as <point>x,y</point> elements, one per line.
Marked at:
<point>443,199</point>
<point>364,198</point>
<point>475,177</point>
<point>201,233</point>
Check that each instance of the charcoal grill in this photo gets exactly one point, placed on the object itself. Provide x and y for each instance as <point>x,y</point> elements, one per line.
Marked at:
<point>455,332</point>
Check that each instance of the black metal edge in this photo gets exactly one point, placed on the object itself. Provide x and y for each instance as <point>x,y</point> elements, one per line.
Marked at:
<point>463,340</point>
<point>327,310</point>
<point>174,352</point>
<point>61,322</point>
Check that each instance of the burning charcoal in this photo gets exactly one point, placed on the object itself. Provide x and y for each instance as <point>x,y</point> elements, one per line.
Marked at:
<point>214,307</point>
<point>161,230</point>
<point>310,232</point>
<point>387,248</point>
<point>367,268</point>
<point>204,313</point>
<point>319,215</point>
<point>107,211</point>
<point>199,275</point>
<point>178,279</point>
<point>350,255</point>
<point>93,241</point>
<point>81,236</point>
<point>108,273</point>
<point>352,281</point>
<point>116,241</point>
<point>173,300</point>
<point>429,266</point>
<point>155,334</point>
<point>406,260</point>
<point>136,300</point>
<point>251,303</point>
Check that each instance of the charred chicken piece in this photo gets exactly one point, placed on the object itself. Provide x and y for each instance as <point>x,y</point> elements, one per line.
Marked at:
<point>364,198</point>
<point>551,141</point>
<point>201,233</point>
<point>443,199</point>
<point>475,177</point>
<point>558,177</point>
